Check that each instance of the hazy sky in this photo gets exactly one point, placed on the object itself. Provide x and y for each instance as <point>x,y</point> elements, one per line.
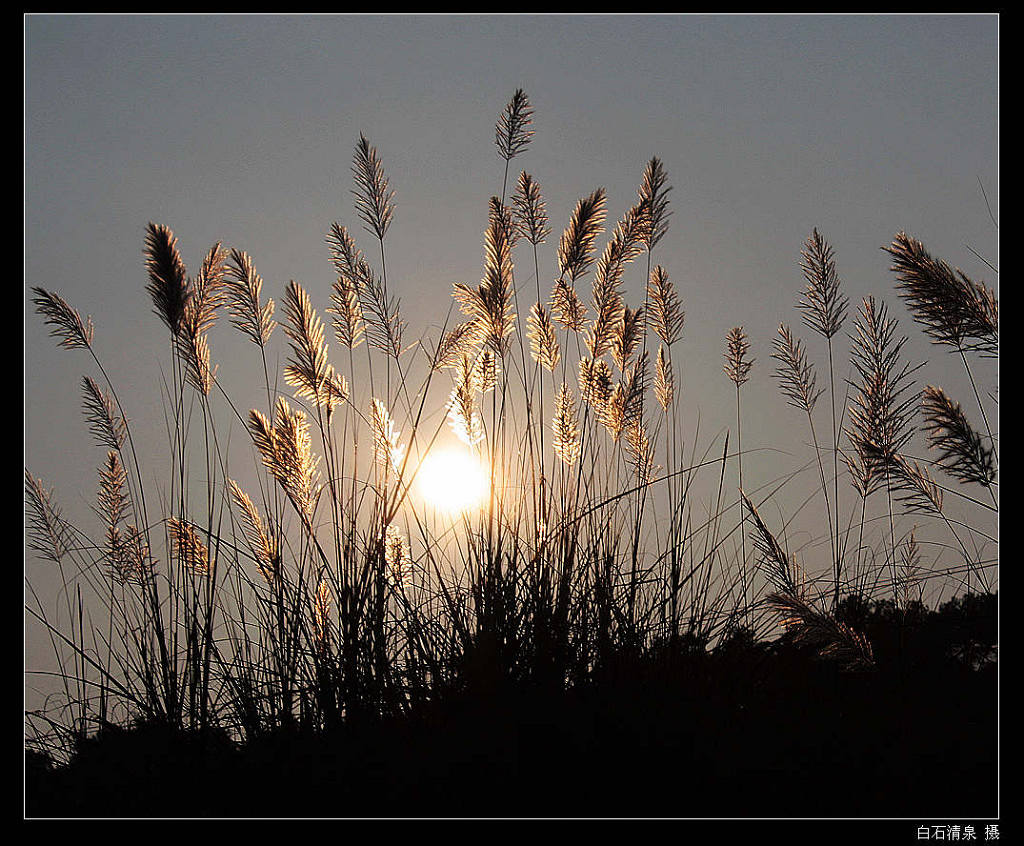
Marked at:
<point>241,129</point>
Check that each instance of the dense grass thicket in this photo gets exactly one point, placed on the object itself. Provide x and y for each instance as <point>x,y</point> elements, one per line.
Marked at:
<point>613,626</point>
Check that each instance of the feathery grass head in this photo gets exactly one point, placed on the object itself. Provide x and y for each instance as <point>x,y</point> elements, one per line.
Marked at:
<point>832,638</point>
<point>822,303</point>
<point>199,372</point>
<point>737,365</point>
<point>641,451</point>
<point>472,376</point>
<point>654,202</point>
<point>623,406</point>
<point>794,372</point>
<point>107,426</point>
<point>963,453</point>
<point>374,198</point>
<point>491,303</point>
<point>348,322</point>
<point>665,313</point>
<point>46,531</point>
<point>664,380</point>
<point>189,547</point>
<point>565,426</point>
<point>531,216</point>
<point>397,558</point>
<point>169,286</point>
<point>880,412</point>
<point>512,131</point>
<point>261,542</point>
<point>127,554</point>
<point>773,562</point>
<point>623,247</point>
<point>595,382</point>
<point>386,448</point>
<point>284,447</point>
<point>576,247</point>
<point>308,370</point>
<point>626,337</point>
<point>66,322</point>
<point>207,293</point>
<point>566,306</point>
<point>111,498</point>
<point>952,308</point>
<point>914,486</point>
<point>242,288</point>
<point>459,342</point>
<point>543,340</point>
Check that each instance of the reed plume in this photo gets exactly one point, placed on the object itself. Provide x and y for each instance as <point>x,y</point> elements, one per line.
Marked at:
<point>261,542</point>
<point>565,426</point>
<point>832,639</point>
<point>737,364</point>
<point>386,448</point>
<point>107,426</point>
<point>567,308</point>
<point>127,554</point>
<point>189,547</point>
<point>910,559</point>
<point>664,380</point>
<point>243,287</point>
<point>914,486</point>
<point>641,450</point>
<point>308,370</point>
<point>654,202</point>
<point>66,322</point>
<point>627,336</point>
<point>879,426</point>
<point>169,286</point>
<point>665,313</point>
<point>543,341</point>
<point>531,216</point>
<point>822,303</point>
<point>463,414</point>
<point>952,308</point>
<point>595,382</point>
<point>794,372</point>
<point>737,367</point>
<point>824,308</point>
<point>46,531</point>
<point>397,558</point>
<point>962,449</point>
<point>773,562</point>
<point>284,447</point>
<point>111,498</point>
<point>622,408</point>
<point>455,344</point>
<point>374,198</point>
<point>576,247</point>
<point>490,304</point>
<point>512,132</point>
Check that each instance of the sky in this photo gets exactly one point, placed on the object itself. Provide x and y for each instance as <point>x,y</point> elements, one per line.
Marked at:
<point>240,129</point>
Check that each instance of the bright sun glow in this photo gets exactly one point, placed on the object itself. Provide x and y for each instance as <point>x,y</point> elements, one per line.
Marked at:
<point>453,481</point>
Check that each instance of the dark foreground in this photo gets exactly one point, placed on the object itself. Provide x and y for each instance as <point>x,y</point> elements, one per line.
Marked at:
<point>748,730</point>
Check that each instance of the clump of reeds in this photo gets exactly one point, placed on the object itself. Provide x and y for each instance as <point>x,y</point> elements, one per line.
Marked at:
<point>330,591</point>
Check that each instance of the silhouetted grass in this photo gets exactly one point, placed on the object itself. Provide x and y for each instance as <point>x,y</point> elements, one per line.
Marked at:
<point>597,637</point>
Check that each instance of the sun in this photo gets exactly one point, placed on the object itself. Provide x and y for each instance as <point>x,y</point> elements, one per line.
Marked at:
<point>452,480</point>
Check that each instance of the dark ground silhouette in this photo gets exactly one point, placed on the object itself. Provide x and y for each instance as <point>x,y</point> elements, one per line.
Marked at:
<point>749,729</point>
